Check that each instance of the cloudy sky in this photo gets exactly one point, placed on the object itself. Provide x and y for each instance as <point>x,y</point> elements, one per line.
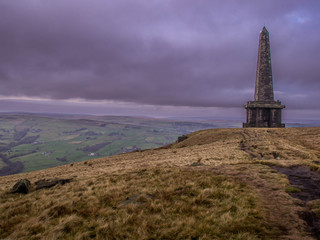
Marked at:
<point>156,57</point>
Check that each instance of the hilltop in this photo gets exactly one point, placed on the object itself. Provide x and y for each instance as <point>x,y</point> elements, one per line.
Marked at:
<point>213,184</point>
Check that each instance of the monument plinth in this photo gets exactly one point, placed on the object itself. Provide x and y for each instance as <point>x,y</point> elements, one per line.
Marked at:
<point>264,111</point>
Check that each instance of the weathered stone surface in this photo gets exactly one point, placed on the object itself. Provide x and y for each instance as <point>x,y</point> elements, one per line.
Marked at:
<point>22,186</point>
<point>264,111</point>
<point>182,138</point>
<point>264,84</point>
<point>48,183</point>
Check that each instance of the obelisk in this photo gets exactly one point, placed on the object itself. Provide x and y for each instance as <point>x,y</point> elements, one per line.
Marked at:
<point>264,84</point>
<point>264,111</point>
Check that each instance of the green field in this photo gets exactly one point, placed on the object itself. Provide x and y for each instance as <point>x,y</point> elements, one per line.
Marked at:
<point>31,142</point>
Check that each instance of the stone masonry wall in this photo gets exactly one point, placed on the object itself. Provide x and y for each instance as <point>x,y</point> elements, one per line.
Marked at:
<point>264,85</point>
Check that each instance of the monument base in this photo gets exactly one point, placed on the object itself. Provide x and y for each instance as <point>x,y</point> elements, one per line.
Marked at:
<point>263,125</point>
<point>264,114</point>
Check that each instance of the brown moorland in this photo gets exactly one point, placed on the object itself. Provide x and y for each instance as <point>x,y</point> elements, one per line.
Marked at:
<point>215,184</point>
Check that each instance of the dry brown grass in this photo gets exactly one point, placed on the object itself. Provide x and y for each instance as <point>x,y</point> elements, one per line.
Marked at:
<point>168,203</point>
<point>157,193</point>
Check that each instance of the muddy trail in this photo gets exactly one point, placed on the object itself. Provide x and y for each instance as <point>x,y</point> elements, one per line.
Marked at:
<point>289,149</point>
<point>304,179</point>
<point>308,183</point>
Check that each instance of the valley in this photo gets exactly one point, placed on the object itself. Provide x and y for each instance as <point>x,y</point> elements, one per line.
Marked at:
<point>30,142</point>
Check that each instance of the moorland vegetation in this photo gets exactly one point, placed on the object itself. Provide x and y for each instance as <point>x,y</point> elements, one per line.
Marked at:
<point>215,184</point>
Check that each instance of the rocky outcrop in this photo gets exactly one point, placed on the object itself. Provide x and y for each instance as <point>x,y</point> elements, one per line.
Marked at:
<point>182,138</point>
<point>22,186</point>
<point>48,183</point>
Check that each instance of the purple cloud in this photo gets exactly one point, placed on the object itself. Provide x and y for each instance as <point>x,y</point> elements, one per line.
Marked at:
<point>179,53</point>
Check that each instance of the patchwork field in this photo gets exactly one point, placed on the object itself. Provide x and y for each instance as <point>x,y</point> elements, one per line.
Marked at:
<point>32,142</point>
<point>214,184</point>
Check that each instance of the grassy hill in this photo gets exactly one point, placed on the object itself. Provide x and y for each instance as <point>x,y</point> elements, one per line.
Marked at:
<point>215,184</point>
<point>31,142</point>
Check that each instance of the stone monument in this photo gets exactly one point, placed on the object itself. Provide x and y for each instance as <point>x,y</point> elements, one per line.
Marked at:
<point>264,111</point>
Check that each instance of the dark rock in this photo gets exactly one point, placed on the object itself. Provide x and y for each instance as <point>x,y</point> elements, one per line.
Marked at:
<point>182,138</point>
<point>22,186</point>
<point>196,164</point>
<point>48,183</point>
<point>64,181</point>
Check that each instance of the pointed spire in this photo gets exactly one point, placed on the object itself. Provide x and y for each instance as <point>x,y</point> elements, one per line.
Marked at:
<point>264,82</point>
<point>264,111</point>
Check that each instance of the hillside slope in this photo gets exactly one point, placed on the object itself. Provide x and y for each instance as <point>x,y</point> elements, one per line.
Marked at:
<point>219,183</point>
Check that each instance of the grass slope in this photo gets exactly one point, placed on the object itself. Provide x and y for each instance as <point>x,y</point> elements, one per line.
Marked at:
<point>169,203</point>
<point>216,184</point>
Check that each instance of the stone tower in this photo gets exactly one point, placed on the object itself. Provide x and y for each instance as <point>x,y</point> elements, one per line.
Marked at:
<point>264,111</point>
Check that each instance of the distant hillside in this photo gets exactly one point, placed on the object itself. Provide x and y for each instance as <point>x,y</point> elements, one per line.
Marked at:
<point>213,184</point>
<point>31,142</point>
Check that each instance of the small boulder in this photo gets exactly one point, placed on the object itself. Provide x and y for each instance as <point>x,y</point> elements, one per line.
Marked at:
<point>48,183</point>
<point>182,138</point>
<point>196,164</point>
<point>22,186</point>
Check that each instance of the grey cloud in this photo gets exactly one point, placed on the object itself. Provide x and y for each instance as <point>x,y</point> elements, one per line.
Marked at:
<point>180,53</point>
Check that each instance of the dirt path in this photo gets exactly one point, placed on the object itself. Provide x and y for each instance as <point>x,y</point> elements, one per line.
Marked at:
<point>307,185</point>
<point>286,150</point>
<point>281,144</point>
<point>282,211</point>
<point>304,179</point>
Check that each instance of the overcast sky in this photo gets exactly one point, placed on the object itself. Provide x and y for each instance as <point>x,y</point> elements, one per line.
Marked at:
<point>156,57</point>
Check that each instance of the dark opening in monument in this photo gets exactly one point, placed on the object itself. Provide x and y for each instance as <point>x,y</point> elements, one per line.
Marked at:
<point>264,111</point>
<point>266,116</point>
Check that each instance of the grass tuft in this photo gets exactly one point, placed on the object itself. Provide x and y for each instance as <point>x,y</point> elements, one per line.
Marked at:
<point>292,189</point>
